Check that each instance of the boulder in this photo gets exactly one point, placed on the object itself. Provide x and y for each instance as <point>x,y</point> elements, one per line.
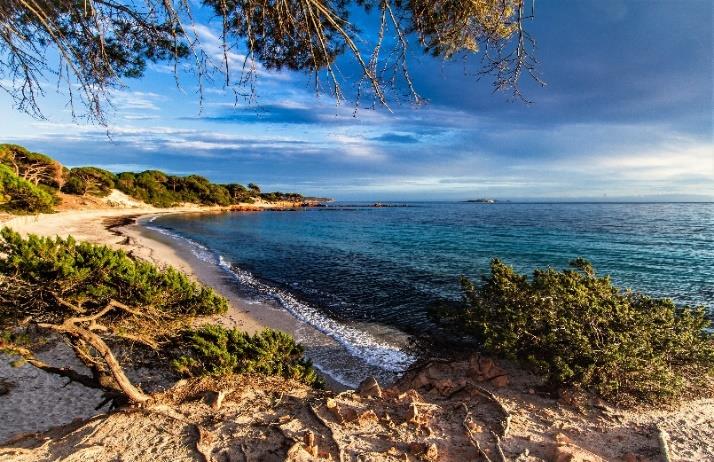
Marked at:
<point>367,417</point>
<point>565,450</point>
<point>499,381</point>
<point>370,388</point>
<point>412,413</point>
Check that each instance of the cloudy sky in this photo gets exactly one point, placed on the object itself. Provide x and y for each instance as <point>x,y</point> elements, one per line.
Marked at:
<point>626,113</point>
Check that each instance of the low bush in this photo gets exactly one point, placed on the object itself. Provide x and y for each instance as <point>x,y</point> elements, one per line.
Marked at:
<point>576,328</point>
<point>18,195</point>
<point>214,350</point>
<point>90,275</point>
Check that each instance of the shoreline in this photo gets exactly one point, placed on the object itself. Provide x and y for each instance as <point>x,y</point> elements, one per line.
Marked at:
<point>45,401</point>
<point>331,353</point>
<point>327,343</point>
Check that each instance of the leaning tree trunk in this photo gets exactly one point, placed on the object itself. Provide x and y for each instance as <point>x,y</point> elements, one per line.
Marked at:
<point>72,327</point>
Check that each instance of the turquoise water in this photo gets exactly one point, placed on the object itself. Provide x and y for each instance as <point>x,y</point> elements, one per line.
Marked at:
<point>353,264</point>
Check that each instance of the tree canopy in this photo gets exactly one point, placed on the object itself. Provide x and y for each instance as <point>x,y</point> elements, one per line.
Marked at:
<point>98,43</point>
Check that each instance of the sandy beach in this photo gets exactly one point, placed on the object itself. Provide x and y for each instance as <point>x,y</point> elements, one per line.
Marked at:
<point>37,401</point>
<point>117,227</point>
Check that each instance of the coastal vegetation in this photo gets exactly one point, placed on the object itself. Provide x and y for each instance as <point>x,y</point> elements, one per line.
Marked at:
<point>104,301</point>
<point>30,182</point>
<point>20,196</point>
<point>578,329</point>
<point>215,350</point>
<point>91,181</point>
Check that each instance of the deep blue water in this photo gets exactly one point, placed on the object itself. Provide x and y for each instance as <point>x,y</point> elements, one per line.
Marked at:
<point>387,265</point>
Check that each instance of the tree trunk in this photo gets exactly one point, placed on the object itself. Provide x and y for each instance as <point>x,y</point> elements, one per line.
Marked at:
<point>117,372</point>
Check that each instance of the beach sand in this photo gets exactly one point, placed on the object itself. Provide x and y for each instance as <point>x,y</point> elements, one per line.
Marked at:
<point>35,401</point>
<point>22,411</point>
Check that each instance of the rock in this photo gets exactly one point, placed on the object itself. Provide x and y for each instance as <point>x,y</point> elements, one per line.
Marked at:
<point>370,388</point>
<point>297,453</point>
<point>434,372</point>
<point>410,395</point>
<point>486,367</point>
<point>432,453</point>
<point>412,413</point>
<point>367,417</point>
<point>445,387</point>
<point>309,442</point>
<point>331,405</point>
<point>499,381</point>
<point>565,450</point>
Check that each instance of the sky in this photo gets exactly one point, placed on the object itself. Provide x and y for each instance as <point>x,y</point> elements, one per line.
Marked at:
<point>626,115</point>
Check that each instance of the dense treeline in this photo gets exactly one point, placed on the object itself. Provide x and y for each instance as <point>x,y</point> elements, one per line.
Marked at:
<point>29,183</point>
<point>576,328</point>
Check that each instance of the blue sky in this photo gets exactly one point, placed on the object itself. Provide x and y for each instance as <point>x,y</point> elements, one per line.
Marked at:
<point>626,113</point>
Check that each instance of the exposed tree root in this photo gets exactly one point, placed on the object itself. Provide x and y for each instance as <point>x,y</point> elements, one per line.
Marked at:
<point>203,443</point>
<point>662,437</point>
<point>473,440</point>
<point>506,422</point>
<point>340,451</point>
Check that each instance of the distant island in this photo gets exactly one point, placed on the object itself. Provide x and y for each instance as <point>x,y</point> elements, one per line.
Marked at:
<point>482,201</point>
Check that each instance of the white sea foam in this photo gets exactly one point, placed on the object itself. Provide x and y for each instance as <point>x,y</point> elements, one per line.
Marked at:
<point>358,343</point>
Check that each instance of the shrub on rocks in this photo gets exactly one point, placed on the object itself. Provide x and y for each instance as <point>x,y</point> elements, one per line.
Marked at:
<point>576,328</point>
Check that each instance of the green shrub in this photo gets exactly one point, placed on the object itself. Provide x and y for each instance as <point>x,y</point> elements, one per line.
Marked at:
<point>89,180</point>
<point>90,275</point>
<point>576,328</point>
<point>20,196</point>
<point>214,350</point>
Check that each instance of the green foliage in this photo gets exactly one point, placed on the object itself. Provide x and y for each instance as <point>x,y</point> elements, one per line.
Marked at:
<point>151,186</point>
<point>162,190</point>
<point>576,328</point>
<point>34,167</point>
<point>20,196</point>
<point>215,350</point>
<point>89,275</point>
<point>89,180</point>
<point>281,196</point>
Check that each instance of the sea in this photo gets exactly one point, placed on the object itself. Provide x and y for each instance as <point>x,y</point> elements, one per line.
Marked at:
<point>354,271</point>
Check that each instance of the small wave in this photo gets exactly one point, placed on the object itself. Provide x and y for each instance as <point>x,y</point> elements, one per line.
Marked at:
<point>360,344</point>
<point>199,251</point>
